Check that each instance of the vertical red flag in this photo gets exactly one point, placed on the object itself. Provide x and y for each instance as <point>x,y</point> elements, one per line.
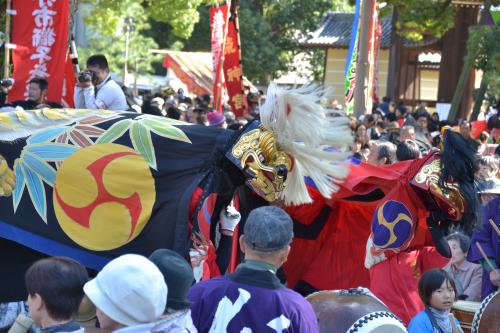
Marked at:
<point>373,46</point>
<point>218,30</point>
<point>233,71</point>
<point>69,84</point>
<point>40,34</point>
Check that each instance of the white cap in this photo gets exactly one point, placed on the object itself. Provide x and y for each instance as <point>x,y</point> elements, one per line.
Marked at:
<point>130,290</point>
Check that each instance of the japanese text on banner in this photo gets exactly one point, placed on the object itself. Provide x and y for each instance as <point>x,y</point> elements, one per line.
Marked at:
<point>40,31</point>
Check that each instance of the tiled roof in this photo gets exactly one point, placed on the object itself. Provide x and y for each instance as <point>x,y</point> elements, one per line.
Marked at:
<point>335,32</point>
<point>467,3</point>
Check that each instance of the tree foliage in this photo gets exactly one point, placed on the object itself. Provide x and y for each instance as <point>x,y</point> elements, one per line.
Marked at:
<point>269,29</point>
<point>108,35</point>
<point>418,18</point>
<point>484,48</point>
<point>149,19</point>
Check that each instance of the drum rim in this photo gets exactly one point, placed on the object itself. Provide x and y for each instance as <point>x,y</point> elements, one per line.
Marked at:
<point>369,317</point>
<point>477,317</point>
<point>457,306</point>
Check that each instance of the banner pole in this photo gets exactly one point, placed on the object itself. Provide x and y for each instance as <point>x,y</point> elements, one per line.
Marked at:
<point>218,98</point>
<point>362,61</point>
<point>6,63</point>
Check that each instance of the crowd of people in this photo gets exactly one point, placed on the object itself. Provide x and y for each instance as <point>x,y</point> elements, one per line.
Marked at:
<point>398,134</point>
<point>133,293</point>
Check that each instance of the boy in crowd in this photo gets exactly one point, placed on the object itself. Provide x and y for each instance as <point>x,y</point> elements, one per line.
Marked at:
<point>55,291</point>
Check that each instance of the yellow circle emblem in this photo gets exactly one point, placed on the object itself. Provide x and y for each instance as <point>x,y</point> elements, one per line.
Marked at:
<point>103,196</point>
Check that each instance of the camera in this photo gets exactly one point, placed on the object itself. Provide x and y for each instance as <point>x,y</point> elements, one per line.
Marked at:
<point>7,82</point>
<point>85,76</point>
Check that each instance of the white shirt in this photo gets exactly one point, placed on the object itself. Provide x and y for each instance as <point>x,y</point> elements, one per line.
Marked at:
<point>109,96</point>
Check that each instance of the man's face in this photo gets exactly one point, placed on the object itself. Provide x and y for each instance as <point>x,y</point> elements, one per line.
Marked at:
<point>422,122</point>
<point>35,93</point>
<point>99,74</point>
<point>465,130</point>
<point>408,134</point>
<point>392,107</point>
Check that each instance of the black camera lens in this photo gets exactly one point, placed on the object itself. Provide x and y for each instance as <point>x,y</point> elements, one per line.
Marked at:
<point>6,82</point>
<point>85,76</point>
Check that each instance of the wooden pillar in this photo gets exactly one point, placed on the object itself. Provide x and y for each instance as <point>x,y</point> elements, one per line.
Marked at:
<point>453,52</point>
<point>394,62</point>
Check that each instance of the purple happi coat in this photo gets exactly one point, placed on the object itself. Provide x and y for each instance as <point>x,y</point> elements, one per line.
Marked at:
<point>489,241</point>
<point>250,301</point>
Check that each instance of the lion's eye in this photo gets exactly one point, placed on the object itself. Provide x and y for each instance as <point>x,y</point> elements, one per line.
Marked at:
<point>282,171</point>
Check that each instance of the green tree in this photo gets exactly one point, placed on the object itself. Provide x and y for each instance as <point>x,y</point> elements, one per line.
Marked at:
<point>109,37</point>
<point>484,48</point>
<point>270,31</point>
<point>150,18</point>
<point>418,18</point>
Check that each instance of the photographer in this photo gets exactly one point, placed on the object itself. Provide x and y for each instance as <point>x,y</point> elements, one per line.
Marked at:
<point>96,90</point>
<point>37,95</point>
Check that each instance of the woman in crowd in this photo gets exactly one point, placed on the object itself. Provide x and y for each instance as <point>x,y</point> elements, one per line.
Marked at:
<point>467,275</point>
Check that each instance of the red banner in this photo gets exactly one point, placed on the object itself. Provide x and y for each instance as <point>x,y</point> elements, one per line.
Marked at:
<point>373,54</point>
<point>218,30</point>
<point>40,34</point>
<point>69,84</point>
<point>233,71</point>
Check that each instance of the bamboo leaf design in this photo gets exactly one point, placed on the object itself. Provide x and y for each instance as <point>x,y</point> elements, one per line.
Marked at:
<point>36,191</point>
<point>165,129</point>
<point>47,135</point>
<point>39,167</point>
<point>90,130</point>
<point>20,182</point>
<point>52,152</point>
<point>79,138</point>
<point>115,131</point>
<point>141,140</point>
<point>163,120</point>
<point>63,138</point>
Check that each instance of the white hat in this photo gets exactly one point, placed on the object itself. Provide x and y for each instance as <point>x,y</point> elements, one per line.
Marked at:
<point>129,289</point>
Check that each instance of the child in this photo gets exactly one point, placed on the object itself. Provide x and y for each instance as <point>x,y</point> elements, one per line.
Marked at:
<point>437,291</point>
<point>55,290</point>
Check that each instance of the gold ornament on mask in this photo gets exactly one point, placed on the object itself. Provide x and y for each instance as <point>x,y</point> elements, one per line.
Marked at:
<point>265,166</point>
<point>449,198</point>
